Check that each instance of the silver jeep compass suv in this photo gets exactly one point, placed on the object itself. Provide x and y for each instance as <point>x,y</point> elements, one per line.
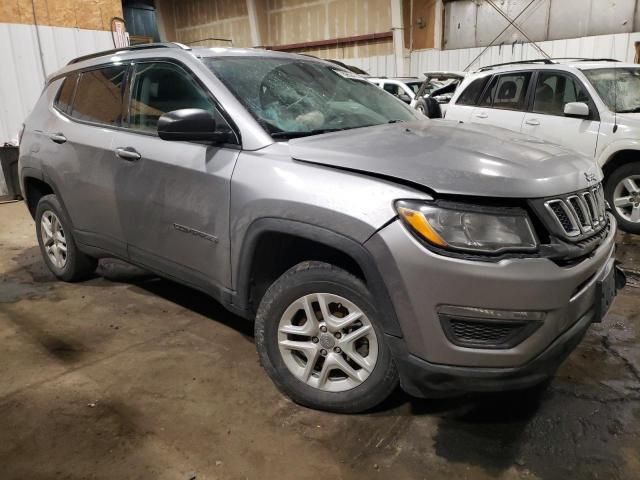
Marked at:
<point>372,246</point>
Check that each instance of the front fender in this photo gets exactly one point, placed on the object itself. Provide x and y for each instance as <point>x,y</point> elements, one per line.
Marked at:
<point>617,146</point>
<point>348,246</point>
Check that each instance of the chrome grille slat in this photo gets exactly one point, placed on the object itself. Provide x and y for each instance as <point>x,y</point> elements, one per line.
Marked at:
<point>579,214</point>
<point>568,221</point>
<point>581,211</point>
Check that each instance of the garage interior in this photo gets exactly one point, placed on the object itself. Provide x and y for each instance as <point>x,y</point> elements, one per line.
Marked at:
<point>128,375</point>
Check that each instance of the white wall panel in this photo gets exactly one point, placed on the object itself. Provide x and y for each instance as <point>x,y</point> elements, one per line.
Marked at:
<point>22,78</point>
<point>619,46</point>
<point>470,23</point>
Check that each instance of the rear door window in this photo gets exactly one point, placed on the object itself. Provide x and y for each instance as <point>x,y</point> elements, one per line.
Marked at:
<point>65,94</point>
<point>507,91</point>
<point>98,97</point>
<point>472,92</point>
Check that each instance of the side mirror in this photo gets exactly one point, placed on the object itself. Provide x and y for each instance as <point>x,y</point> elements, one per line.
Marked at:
<point>576,109</point>
<point>188,124</point>
<point>405,98</point>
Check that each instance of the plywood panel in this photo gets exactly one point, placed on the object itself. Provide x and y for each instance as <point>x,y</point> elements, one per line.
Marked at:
<point>197,20</point>
<point>421,27</point>
<point>88,14</point>
<point>297,21</point>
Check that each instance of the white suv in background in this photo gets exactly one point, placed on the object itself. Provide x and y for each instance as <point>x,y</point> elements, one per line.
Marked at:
<point>405,88</point>
<point>591,106</point>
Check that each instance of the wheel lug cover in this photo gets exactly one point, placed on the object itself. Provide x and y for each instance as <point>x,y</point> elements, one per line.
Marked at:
<point>323,328</point>
<point>323,352</point>
<point>315,340</point>
<point>337,350</point>
<point>327,341</point>
<point>338,335</point>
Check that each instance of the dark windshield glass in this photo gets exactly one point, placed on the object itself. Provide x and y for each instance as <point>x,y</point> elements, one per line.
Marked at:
<point>619,88</point>
<point>292,97</point>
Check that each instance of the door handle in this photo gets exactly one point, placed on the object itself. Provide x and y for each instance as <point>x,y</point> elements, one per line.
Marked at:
<point>128,153</point>
<point>533,122</point>
<point>482,115</point>
<point>57,138</point>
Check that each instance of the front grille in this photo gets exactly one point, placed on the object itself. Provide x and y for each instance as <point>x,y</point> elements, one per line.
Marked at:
<point>578,215</point>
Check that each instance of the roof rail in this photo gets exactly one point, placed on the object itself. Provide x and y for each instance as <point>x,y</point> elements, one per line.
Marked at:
<point>579,59</point>
<point>546,61</point>
<point>142,46</point>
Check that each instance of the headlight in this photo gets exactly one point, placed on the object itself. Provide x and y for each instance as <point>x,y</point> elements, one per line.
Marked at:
<point>469,228</point>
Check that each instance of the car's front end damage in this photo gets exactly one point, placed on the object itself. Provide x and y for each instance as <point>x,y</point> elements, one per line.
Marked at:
<point>475,324</point>
<point>492,289</point>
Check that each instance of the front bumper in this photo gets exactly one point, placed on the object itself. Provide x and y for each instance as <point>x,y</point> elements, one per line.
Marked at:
<point>423,379</point>
<point>420,281</point>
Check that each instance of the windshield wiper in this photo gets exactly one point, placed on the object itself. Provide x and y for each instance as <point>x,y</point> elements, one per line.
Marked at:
<point>308,133</point>
<point>630,110</point>
<point>318,131</point>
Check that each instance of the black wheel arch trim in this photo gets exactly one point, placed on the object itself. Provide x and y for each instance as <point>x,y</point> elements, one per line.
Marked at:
<point>30,172</point>
<point>330,238</point>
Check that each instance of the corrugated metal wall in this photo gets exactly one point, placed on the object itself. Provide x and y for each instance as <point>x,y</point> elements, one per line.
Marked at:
<point>377,66</point>
<point>619,47</point>
<point>22,77</point>
<point>473,23</point>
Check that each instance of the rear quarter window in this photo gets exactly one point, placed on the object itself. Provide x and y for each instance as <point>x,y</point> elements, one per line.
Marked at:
<point>98,96</point>
<point>64,98</point>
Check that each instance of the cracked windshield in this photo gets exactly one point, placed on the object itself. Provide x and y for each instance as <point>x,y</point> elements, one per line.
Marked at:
<point>619,88</point>
<point>294,98</point>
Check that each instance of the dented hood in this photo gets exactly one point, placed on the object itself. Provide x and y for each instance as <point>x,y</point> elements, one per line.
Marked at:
<point>453,158</point>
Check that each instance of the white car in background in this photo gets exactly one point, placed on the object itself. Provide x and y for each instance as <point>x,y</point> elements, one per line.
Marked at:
<point>429,96</point>
<point>405,88</point>
<point>591,106</point>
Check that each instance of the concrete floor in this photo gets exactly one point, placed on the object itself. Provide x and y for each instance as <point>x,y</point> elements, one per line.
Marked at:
<point>128,376</point>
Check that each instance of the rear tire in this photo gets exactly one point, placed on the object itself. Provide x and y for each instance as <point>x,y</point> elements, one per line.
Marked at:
<point>57,245</point>
<point>622,191</point>
<point>319,374</point>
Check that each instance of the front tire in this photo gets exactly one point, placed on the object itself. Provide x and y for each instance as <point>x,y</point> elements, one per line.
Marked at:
<point>622,190</point>
<point>57,245</point>
<point>319,338</point>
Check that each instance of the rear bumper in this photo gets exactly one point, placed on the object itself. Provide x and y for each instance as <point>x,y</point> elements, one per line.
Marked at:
<point>423,379</point>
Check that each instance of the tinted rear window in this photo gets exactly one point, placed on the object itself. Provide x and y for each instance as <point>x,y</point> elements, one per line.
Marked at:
<point>65,94</point>
<point>507,91</point>
<point>98,97</point>
<point>472,92</point>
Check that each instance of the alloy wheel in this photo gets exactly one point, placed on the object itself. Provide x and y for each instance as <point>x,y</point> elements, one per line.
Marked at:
<point>327,342</point>
<point>53,239</point>
<point>626,198</point>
